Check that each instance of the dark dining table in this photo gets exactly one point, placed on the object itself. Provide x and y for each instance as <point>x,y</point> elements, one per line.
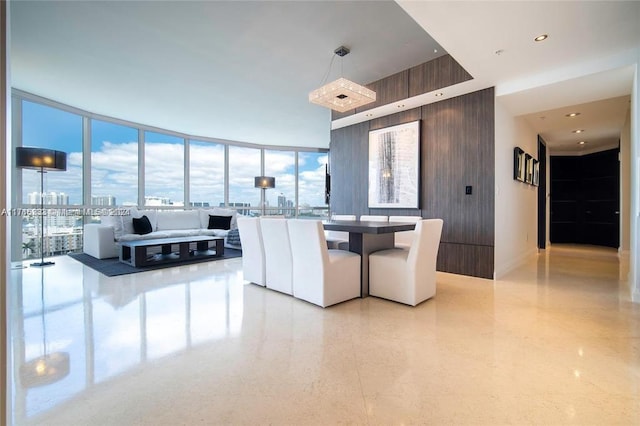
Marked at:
<point>366,237</point>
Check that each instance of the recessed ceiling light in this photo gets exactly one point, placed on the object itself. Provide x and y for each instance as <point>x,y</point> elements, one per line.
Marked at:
<point>582,143</point>
<point>541,37</point>
<point>578,131</point>
<point>572,114</point>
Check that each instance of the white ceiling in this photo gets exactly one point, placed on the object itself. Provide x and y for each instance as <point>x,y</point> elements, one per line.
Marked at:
<point>588,59</point>
<point>554,125</point>
<point>230,70</point>
<point>242,70</point>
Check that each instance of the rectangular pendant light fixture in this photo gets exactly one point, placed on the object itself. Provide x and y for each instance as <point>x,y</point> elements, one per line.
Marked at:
<point>342,95</point>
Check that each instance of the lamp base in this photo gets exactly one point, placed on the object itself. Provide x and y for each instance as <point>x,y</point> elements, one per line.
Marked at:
<point>43,263</point>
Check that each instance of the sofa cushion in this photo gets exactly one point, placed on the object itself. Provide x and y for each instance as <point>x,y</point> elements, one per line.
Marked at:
<point>142,225</point>
<point>173,233</point>
<point>136,237</point>
<point>127,221</point>
<point>217,211</point>
<point>219,222</point>
<point>178,219</point>
<point>115,222</point>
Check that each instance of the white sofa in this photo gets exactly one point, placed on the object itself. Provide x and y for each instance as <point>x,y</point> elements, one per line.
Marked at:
<point>101,240</point>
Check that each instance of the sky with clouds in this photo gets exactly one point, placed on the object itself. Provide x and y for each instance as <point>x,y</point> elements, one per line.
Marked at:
<point>114,164</point>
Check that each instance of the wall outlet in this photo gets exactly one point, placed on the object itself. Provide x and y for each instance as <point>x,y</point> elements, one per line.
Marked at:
<point>468,190</point>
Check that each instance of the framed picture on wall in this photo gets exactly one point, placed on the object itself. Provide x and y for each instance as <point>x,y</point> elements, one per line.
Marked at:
<point>394,166</point>
<point>536,173</point>
<point>518,164</point>
<point>528,176</point>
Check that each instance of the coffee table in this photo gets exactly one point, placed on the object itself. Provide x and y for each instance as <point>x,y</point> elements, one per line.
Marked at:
<point>176,249</point>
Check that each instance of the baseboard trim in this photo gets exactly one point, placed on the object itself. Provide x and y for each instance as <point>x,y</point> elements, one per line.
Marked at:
<point>513,264</point>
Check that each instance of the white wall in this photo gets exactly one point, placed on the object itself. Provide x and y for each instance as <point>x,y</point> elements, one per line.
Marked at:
<point>516,203</point>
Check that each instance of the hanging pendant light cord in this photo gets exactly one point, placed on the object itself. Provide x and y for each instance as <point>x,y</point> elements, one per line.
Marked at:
<point>326,74</point>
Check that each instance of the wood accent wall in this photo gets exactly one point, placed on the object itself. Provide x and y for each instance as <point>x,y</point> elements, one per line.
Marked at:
<point>457,149</point>
<point>441,72</point>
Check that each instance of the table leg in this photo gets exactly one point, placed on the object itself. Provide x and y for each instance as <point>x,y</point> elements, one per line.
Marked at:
<point>219,247</point>
<point>139,257</point>
<point>183,253</point>
<point>363,244</point>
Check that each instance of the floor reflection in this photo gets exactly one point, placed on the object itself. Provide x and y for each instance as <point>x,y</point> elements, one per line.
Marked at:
<point>556,341</point>
<point>74,328</point>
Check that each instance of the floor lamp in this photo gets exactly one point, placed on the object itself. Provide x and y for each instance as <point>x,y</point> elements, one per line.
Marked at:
<point>264,183</point>
<point>42,160</point>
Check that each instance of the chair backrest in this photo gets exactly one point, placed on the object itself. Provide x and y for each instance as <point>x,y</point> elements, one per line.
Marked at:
<point>404,238</point>
<point>277,254</point>
<point>252,249</point>
<point>423,253</point>
<point>343,217</point>
<point>370,218</point>
<point>413,219</point>
<point>308,248</point>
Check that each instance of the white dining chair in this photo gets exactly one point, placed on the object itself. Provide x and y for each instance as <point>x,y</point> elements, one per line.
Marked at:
<point>337,239</point>
<point>277,254</point>
<point>374,218</point>
<point>403,239</point>
<point>321,276</point>
<point>408,275</point>
<point>252,250</point>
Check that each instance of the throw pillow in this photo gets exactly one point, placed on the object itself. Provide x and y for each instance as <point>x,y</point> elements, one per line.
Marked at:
<point>219,222</point>
<point>142,225</point>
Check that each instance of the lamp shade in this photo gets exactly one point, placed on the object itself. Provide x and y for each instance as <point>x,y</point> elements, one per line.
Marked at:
<point>40,158</point>
<point>265,182</point>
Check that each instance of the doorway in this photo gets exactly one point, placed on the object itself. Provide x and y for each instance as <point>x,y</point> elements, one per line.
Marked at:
<point>585,199</point>
<point>542,194</point>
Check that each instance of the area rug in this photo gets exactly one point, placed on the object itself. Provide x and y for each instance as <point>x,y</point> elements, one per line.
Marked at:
<point>113,267</point>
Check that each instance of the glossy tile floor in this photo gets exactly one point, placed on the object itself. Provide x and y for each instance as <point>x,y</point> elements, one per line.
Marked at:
<point>556,342</point>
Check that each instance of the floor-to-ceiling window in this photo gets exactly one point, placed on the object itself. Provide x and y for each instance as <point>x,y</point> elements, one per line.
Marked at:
<point>244,166</point>
<point>282,166</point>
<point>163,169</point>
<point>311,183</point>
<point>114,164</point>
<point>206,174</point>
<point>55,229</point>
